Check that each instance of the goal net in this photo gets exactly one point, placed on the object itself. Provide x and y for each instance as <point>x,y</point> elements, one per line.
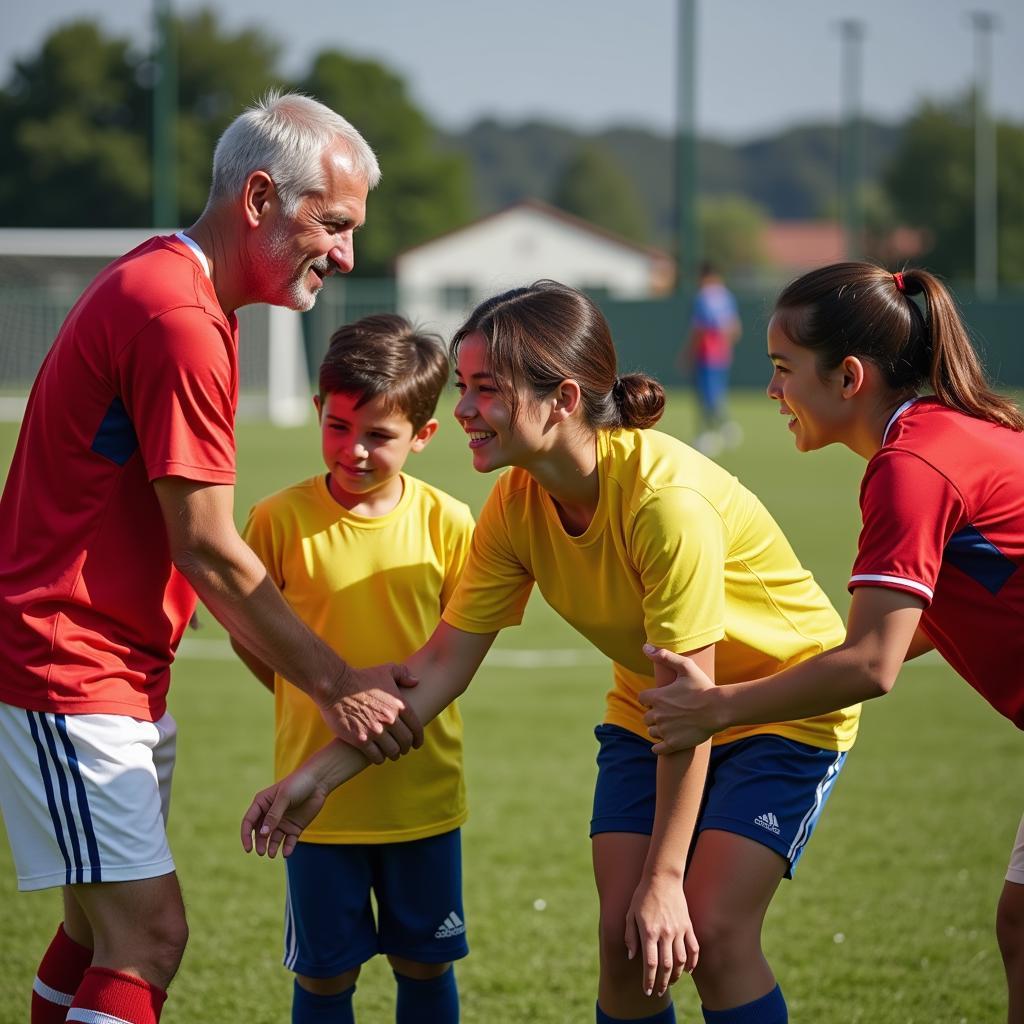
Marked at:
<point>44,270</point>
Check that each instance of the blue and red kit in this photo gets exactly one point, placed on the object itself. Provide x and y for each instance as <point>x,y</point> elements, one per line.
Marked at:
<point>943,509</point>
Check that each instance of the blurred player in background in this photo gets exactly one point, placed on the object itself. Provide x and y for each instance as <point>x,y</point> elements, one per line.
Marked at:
<point>368,557</point>
<point>630,535</point>
<point>116,513</point>
<point>940,561</point>
<point>714,329</point>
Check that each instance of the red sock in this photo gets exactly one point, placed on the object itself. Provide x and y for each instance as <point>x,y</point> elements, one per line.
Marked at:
<point>59,975</point>
<point>106,995</point>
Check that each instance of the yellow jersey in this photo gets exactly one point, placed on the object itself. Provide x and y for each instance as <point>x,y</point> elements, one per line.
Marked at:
<point>373,588</point>
<point>678,554</point>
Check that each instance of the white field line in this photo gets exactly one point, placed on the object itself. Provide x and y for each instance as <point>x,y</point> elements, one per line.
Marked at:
<point>508,657</point>
<point>567,657</point>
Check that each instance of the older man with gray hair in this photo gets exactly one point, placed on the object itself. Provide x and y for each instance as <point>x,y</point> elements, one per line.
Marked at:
<point>117,512</point>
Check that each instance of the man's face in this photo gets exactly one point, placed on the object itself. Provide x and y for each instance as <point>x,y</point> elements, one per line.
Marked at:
<point>294,254</point>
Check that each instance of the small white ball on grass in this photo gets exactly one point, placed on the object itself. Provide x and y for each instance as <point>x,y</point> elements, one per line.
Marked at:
<point>539,904</point>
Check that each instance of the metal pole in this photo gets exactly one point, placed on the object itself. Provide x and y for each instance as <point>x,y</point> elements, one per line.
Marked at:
<point>851,143</point>
<point>687,232</point>
<point>165,97</point>
<point>986,243</point>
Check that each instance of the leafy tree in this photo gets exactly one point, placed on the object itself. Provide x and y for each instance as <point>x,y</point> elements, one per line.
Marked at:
<point>76,126</point>
<point>219,73</point>
<point>931,185</point>
<point>76,121</point>
<point>594,186</point>
<point>73,130</point>
<point>732,233</point>
<point>423,191</point>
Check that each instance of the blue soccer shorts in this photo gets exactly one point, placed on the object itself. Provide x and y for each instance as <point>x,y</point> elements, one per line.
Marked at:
<point>770,789</point>
<point>712,385</point>
<point>330,926</point>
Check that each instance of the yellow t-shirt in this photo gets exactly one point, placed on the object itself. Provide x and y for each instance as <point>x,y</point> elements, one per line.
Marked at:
<point>374,589</point>
<point>679,553</point>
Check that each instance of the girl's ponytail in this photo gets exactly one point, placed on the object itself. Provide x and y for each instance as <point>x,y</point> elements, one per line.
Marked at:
<point>955,373</point>
<point>859,309</point>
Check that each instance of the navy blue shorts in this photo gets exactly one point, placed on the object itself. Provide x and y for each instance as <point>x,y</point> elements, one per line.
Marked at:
<point>329,923</point>
<point>767,788</point>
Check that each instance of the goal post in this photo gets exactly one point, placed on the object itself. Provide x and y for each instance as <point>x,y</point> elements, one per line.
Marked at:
<point>44,270</point>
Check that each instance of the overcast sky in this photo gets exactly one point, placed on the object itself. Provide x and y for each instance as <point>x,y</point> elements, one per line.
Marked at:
<point>593,63</point>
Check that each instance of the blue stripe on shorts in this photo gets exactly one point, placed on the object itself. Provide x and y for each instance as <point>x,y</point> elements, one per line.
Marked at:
<point>66,831</point>
<point>51,802</point>
<point>95,870</point>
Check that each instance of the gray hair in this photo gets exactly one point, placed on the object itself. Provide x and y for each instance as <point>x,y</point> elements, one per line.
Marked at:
<point>285,134</point>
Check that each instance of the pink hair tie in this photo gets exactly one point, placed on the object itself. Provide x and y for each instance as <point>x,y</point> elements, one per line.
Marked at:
<point>898,278</point>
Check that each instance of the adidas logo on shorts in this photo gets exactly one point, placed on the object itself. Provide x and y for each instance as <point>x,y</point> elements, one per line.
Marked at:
<point>768,821</point>
<point>451,925</point>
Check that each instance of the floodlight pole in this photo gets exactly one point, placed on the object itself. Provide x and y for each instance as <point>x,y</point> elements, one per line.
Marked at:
<point>986,239</point>
<point>165,102</point>
<point>687,229</point>
<point>851,144</point>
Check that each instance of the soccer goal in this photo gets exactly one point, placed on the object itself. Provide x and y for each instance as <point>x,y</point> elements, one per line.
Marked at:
<point>44,270</point>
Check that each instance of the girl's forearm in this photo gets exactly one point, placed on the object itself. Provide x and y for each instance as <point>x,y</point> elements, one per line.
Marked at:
<point>444,668</point>
<point>680,787</point>
<point>835,679</point>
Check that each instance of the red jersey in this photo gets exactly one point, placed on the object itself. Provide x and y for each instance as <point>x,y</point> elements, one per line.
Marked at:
<point>141,383</point>
<point>943,509</point>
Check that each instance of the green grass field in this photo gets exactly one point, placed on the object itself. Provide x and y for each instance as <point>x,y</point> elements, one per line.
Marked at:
<point>888,920</point>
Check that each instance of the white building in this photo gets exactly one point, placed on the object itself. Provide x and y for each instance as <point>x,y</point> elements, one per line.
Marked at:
<point>440,281</point>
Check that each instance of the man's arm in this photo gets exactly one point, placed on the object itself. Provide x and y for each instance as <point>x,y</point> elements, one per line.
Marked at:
<point>880,631</point>
<point>363,708</point>
<point>259,669</point>
<point>444,666</point>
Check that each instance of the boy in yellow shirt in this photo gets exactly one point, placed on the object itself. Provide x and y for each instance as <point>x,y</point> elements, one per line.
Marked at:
<point>368,557</point>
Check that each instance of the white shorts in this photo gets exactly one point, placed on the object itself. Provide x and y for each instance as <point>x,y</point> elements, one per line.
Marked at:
<point>85,797</point>
<point>1015,872</point>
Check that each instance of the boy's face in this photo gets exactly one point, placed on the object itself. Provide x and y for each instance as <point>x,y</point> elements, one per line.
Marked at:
<point>365,448</point>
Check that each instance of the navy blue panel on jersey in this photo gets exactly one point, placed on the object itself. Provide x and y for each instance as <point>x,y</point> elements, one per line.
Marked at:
<point>115,439</point>
<point>979,558</point>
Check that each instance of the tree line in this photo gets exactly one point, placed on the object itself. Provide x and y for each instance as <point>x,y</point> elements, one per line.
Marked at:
<point>76,125</point>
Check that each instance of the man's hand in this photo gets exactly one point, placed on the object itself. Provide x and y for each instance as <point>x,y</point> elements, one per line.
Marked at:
<point>279,813</point>
<point>365,709</point>
<point>682,712</point>
<point>658,928</point>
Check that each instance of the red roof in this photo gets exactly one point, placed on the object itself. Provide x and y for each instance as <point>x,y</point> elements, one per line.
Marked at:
<point>799,245</point>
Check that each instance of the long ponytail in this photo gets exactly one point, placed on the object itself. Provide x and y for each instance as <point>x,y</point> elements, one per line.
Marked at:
<point>956,376</point>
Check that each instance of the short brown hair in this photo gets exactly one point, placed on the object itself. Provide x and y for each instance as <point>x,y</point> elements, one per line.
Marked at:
<point>385,355</point>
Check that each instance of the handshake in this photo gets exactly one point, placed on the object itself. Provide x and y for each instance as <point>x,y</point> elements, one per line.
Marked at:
<point>375,721</point>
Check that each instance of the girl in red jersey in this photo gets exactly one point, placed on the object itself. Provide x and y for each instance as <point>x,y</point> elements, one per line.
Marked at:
<point>940,561</point>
